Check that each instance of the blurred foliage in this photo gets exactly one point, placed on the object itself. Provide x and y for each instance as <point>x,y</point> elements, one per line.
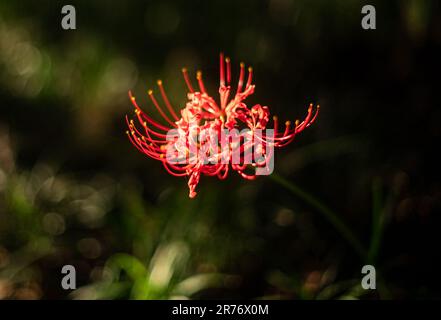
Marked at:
<point>74,191</point>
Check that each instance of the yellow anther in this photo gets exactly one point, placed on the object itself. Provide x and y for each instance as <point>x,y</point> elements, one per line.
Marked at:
<point>297,123</point>
<point>184,69</point>
<point>242,65</point>
<point>227,59</point>
<point>275,118</point>
<point>150,92</point>
<point>159,82</point>
<point>250,69</point>
<point>288,123</point>
<point>199,75</point>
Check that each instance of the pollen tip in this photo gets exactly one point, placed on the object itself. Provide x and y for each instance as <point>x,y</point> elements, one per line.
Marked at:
<point>127,131</point>
<point>133,98</point>
<point>318,106</point>
<point>150,92</point>
<point>184,69</point>
<point>199,74</point>
<point>227,59</point>
<point>250,69</point>
<point>275,118</point>
<point>242,65</point>
<point>297,123</point>
<point>288,123</point>
<point>159,82</point>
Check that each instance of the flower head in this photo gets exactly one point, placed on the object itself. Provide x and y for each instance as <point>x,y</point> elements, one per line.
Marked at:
<point>204,138</point>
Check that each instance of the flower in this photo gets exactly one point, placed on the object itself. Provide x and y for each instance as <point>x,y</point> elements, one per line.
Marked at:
<point>203,120</point>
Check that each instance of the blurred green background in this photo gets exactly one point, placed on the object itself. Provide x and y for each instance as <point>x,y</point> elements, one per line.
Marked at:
<point>73,190</point>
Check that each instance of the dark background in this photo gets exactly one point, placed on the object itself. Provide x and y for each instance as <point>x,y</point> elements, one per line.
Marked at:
<point>73,190</point>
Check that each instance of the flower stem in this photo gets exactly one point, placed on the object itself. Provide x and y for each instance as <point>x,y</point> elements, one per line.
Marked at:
<point>330,215</point>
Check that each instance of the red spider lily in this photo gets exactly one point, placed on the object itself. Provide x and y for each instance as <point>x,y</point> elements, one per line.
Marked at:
<point>201,113</point>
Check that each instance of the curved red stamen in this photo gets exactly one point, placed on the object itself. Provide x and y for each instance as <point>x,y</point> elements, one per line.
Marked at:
<point>166,101</point>
<point>222,71</point>
<point>187,80</point>
<point>200,81</point>
<point>227,62</point>
<point>156,104</point>
<point>241,78</point>
<point>250,76</point>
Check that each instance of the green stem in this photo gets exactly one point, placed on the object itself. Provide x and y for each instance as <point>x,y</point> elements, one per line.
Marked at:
<point>330,215</point>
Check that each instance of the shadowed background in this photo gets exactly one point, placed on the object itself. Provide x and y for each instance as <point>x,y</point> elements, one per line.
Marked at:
<point>73,190</point>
